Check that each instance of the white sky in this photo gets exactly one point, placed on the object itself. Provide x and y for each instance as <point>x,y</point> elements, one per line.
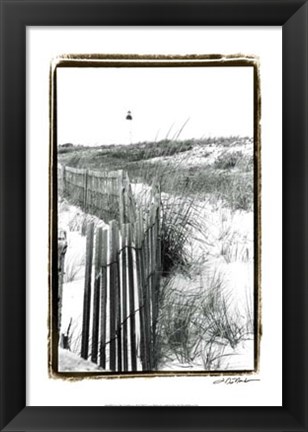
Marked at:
<point>93,103</point>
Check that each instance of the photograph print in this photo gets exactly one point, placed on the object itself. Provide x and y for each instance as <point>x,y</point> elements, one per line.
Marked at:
<point>155,215</point>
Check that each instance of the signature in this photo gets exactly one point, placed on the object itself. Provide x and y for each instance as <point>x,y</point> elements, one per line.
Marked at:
<point>235,380</point>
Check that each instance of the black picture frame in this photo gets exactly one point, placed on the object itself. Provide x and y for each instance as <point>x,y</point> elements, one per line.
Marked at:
<point>15,16</point>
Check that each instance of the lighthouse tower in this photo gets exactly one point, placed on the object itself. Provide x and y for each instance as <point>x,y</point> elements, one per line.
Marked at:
<point>129,119</point>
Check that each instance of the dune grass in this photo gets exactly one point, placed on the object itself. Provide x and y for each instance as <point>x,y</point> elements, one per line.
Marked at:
<point>195,327</point>
<point>230,178</point>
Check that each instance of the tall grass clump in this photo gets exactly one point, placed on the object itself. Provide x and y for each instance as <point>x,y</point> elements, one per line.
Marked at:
<point>198,327</point>
<point>177,226</point>
<point>229,160</point>
<point>221,324</point>
<point>180,216</point>
<point>178,329</point>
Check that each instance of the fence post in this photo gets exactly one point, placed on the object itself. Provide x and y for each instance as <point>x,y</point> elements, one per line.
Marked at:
<point>154,278</point>
<point>109,201</point>
<point>87,293</point>
<point>131,298</point>
<point>125,200</point>
<point>62,247</point>
<point>147,296</point>
<point>147,300</point>
<point>114,290</point>
<point>118,306</point>
<point>149,264</point>
<point>85,190</point>
<point>124,296</point>
<point>144,340</point>
<point>130,205</point>
<point>121,191</point>
<point>103,291</point>
<point>96,299</point>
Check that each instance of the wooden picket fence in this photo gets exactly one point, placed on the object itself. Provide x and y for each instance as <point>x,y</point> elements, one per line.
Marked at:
<point>105,194</point>
<point>122,276</point>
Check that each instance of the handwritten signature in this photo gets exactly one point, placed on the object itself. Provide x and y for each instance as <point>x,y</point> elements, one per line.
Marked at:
<point>234,380</point>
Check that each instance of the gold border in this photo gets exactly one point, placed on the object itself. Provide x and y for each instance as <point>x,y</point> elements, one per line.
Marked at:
<point>134,60</point>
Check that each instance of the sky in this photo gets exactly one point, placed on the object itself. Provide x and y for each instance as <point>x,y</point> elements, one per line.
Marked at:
<point>178,102</point>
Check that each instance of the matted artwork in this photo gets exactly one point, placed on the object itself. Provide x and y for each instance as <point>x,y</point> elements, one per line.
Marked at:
<point>155,215</point>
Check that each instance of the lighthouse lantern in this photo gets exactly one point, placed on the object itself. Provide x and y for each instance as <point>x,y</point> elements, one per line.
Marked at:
<point>129,116</point>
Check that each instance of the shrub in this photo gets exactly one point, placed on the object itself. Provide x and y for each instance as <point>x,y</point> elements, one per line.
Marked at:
<point>228,160</point>
<point>239,195</point>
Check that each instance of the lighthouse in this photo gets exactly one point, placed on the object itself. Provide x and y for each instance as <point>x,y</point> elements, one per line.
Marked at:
<point>129,118</point>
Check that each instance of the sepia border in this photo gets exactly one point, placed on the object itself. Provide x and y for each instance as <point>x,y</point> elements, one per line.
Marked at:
<point>145,61</point>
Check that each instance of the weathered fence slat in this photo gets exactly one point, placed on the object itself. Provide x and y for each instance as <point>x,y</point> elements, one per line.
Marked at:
<point>62,247</point>
<point>147,300</point>
<point>121,191</point>
<point>124,297</point>
<point>85,191</point>
<point>118,306</point>
<point>153,273</point>
<point>103,292</point>
<point>147,287</point>
<point>87,293</point>
<point>96,298</point>
<point>131,298</point>
<point>113,268</point>
<point>144,340</point>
